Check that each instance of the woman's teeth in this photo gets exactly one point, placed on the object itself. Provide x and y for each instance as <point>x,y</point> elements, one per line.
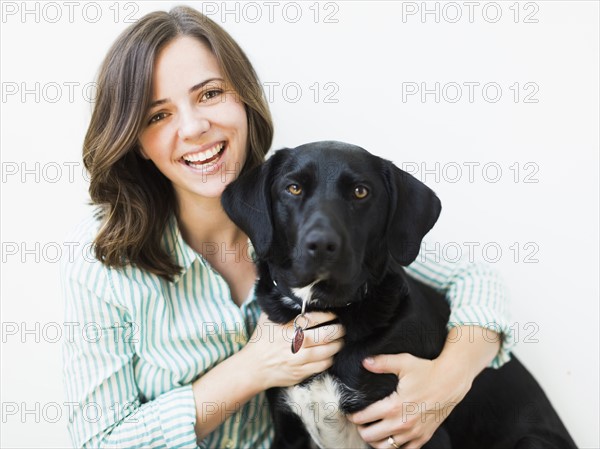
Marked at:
<point>205,156</point>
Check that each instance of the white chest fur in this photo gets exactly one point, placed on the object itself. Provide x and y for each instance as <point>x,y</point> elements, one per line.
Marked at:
<point>318,405</point>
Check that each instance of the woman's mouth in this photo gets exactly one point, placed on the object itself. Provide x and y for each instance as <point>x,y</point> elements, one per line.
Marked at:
<point>204,158</point>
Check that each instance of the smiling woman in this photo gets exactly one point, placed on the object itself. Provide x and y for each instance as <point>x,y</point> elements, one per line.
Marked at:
<point>184,355</point>
<point>172,89</point>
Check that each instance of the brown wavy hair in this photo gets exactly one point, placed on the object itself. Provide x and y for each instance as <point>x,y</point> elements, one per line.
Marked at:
<point>135,199</point>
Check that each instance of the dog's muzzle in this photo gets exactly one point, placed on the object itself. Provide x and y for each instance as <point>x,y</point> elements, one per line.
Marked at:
<point>321,247</point>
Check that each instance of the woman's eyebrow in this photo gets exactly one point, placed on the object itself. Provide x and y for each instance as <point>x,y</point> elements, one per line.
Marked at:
<point>191,91</point>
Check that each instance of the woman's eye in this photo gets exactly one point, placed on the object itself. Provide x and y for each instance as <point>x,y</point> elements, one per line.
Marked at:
<point>294,189</point>
<point>361,192</point>
<point>211,94</point>
<point>157,117</point>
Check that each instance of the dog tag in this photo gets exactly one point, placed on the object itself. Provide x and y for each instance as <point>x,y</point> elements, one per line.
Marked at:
<point>297,340</point>
<point>298,337</point>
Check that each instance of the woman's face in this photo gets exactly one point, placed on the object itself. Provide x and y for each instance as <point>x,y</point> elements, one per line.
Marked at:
<point>196,128</point>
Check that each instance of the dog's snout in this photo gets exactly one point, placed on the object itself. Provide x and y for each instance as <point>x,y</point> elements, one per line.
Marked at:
<point>322,244</point>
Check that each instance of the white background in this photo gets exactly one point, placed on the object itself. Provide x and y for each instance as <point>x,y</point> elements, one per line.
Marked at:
<point>370,56</point>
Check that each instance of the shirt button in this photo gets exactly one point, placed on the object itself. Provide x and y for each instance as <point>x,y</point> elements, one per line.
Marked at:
<point>229,443</point>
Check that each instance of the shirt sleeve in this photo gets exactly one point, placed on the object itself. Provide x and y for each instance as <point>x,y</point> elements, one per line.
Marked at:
<point>106,408</point>
<point>476,294</point>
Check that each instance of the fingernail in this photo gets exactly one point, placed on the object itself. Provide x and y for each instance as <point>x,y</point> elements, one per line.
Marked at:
<point>369,360</point>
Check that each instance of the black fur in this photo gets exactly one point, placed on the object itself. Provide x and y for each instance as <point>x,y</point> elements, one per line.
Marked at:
<point>358,247</point>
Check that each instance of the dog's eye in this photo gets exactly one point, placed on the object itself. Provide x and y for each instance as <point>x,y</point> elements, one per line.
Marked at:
<point>294,189</point>
<point>361,192</point>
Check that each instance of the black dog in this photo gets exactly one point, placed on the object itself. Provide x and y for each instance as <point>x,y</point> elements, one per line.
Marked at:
<point>333,225</point>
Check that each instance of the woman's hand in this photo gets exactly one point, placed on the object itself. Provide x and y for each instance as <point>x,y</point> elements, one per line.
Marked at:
<point>269,349</point>
<point>427,390</point>
<point>426,394</point>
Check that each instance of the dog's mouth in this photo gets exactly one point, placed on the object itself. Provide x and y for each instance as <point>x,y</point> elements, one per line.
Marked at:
<point>322,294</point>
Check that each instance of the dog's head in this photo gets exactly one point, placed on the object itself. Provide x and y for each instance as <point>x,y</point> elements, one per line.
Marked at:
<point>332,215</point>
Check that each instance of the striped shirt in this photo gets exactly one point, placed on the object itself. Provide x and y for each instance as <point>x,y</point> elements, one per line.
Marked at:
<point>141,341</point>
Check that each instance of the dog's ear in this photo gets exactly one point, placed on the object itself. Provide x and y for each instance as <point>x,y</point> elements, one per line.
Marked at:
<point>247,201</point>
<point>414,209</point>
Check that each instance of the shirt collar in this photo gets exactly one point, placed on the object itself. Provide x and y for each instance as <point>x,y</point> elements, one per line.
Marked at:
<point>183,253</point>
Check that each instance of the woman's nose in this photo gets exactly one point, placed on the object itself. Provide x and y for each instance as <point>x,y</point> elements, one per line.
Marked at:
<point>192,124</point>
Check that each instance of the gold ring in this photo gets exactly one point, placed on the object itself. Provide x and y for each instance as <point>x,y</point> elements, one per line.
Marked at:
<point>392,442</point>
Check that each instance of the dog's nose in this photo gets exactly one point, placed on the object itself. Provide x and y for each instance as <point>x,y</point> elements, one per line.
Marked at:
<point>322,244</point>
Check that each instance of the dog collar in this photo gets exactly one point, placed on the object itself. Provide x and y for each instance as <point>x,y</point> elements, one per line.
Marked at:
<point>289,294</point>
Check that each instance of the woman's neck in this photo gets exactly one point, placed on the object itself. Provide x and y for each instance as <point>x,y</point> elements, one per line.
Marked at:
<point>204,224</point>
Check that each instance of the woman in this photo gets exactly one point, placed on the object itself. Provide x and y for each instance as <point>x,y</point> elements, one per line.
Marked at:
<point>175,351</point>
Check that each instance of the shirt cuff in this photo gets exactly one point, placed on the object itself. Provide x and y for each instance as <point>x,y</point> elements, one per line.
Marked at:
<point>176,412</point>
<point>484,318</point>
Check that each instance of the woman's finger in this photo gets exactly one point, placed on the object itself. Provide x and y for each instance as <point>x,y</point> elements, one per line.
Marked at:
<point>321,352</point>
<point>318,367</point>
<point>401,440</point>
<point>322,335</point>
<point>376,411</point>
<point>381,430</point>
<point>316,353</point>
<point>316,318</point>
